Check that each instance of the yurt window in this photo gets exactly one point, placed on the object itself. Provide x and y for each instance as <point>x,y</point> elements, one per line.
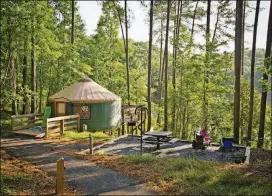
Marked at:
<point>83,111</point>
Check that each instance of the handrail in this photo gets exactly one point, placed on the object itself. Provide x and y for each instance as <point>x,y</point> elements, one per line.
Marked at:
<point>30,119</point>
<point>62,118</point>
<point>53,127</point>
<point>25,115</point>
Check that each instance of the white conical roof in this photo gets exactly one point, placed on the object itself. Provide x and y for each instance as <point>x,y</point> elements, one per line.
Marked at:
<point>85,91</point>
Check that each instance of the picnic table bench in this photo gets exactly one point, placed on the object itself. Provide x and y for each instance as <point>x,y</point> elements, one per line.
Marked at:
<point>157,137</point>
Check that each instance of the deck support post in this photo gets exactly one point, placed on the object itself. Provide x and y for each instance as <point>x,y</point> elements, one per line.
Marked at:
<point>123,121</point>
<point>61,127</point>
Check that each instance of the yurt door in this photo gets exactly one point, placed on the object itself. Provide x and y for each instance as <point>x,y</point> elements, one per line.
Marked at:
<point>60,108</point>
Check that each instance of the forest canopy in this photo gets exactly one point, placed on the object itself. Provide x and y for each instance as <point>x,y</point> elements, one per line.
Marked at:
<point>44,48</point>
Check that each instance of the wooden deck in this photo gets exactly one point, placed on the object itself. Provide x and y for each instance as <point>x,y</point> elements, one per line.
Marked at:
<point>28,132</point>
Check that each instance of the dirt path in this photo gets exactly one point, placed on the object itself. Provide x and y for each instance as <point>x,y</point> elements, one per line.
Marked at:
<point>83,176</point>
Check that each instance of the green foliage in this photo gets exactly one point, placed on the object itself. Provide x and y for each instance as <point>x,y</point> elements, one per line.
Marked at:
<point>195,177</point>
<point>101,56</point>
<point>97,136</point>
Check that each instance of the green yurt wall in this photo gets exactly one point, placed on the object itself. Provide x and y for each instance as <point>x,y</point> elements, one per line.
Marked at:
<point>103,115</point>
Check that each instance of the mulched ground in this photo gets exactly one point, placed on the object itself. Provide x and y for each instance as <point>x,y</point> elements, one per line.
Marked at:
<point>260,155</point>
<point>23,178</point>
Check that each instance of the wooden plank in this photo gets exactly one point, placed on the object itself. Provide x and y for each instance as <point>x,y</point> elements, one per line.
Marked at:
<point>60,177</point>
<point>23,127</point>
<point>57,131</point>
<point>22,116</point>
<point>70,127</point>
<point>46,129</point>
<point>61,127</point>
<point>78,123</point>
<point>152,142</point>
<point>51,130</point>
<point>54,135</point>
<point>25,116</point>
<point>38,119</point>
<point>62,118</point>
<point>72,122</point>
<point>53,124</point>
<point>27,132</point>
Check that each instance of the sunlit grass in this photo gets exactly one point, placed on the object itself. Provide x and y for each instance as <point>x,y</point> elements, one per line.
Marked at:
<point>196,177</point>
<point>97,136</point>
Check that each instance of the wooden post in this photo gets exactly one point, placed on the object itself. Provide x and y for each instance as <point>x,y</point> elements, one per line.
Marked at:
<point>31,119</point>
<point>12,123</point>
<point>46,129</point>
<point>61,127</point>
<point>91,144</point>
<point>78,123</point>
<point>123,121</point>
<point>60,177</point>
<point>118,131</point>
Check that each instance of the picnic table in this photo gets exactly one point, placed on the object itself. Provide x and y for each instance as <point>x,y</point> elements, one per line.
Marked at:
<point>159,135</point>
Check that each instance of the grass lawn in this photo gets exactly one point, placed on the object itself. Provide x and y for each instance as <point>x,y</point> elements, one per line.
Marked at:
<point>22,178</point>
<point>98,137</point>
<point>190,176</point>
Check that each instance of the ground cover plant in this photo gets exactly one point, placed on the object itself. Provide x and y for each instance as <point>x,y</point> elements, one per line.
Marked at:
<point>82,136</point>
<point>191,176</point>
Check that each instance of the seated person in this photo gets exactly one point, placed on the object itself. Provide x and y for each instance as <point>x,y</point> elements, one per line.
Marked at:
<point>205,135</point>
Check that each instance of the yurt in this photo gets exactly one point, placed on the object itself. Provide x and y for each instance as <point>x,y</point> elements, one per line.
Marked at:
<point>98,107</point>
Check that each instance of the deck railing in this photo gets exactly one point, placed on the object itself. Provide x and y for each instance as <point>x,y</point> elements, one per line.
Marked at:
<point>56,126</point>
<point>25,121</point>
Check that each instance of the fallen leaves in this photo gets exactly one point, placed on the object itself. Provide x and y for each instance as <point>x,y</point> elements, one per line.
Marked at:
<point>23,178</point>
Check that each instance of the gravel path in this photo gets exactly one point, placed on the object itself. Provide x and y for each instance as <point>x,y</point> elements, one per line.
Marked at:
<point>127,145</point>
<point>83,176</point>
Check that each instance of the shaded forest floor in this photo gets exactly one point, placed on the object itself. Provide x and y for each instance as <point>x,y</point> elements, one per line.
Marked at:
<point>19,177</point>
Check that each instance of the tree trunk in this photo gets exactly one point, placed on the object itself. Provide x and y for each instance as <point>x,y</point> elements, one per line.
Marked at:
<point>238,48</point>
<point>13,83</point>
<point>242,72</point>
<point>216,23</point>
<point>251,104</point>
<point>166,69</point>
<point>149,67</point>
<point>126,24</point>
<point>41,84</point>
<point>175,53</point>
<point>160,76</point>
<point>193,25</point>
<point>33,68</point>
<point>120,21</point>
<point>173,68</point>
<point>206,74</point>
<point>268,66</point>
<point>243,36</point>
<point>73,23</point>
<point>25,76</point>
